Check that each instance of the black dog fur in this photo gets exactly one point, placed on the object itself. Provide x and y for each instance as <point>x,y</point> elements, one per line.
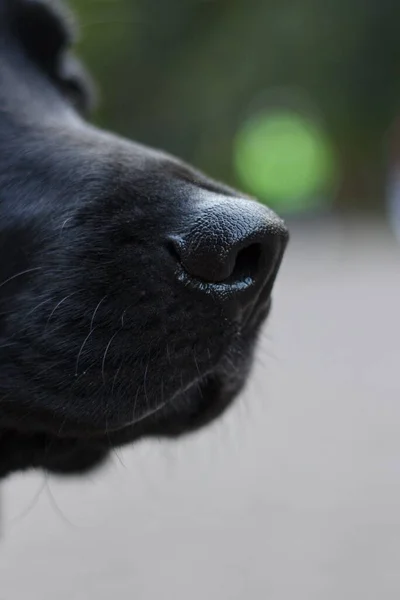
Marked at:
<point>100,344</point>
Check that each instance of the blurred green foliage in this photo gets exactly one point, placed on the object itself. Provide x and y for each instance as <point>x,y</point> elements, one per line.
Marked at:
<point>185,75</point>
<point>286,159</point>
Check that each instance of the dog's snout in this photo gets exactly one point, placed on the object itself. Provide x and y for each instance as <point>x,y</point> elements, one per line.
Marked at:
<point>235,242</point>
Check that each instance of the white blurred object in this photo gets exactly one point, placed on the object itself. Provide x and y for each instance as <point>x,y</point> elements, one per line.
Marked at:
<point>394,202</point>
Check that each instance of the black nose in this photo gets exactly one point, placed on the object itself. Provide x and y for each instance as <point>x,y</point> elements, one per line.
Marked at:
<point>235,242</point>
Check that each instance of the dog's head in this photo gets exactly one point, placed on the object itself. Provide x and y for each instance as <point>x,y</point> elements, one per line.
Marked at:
<point>132,287</point>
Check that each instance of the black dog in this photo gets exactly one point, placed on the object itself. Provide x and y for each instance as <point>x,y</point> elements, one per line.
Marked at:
<point>132,287</point>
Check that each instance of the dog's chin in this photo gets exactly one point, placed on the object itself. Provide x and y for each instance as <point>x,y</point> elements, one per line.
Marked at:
<point>77,449</point>
<point>65,446</point>
<point>66,453</point>
<point>198,406</point>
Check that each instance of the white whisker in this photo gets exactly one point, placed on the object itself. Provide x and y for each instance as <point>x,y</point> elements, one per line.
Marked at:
<point>196,363</point>
<point>115,379</point>
<point>37,306</point>
<point>81,349</point>
<point>135,404</point>
<point>105,354</point>
<point>95,311</point>
<point>144,382</point>
<point>64,224</point>
<point>19,275</point>
<point>57,306</point>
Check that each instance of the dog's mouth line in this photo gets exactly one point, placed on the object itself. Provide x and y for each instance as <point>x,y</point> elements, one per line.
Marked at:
<point>68,429</point>
<point>146,415</point>
<point>199,382</point>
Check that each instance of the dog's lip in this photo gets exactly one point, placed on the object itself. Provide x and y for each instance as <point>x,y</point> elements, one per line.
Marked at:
<point>180,392</point>
<point>199,381</point>
<point>145,416</point>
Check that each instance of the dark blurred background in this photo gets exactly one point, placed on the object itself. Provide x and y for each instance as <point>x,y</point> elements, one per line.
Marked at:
<point>294,101</point>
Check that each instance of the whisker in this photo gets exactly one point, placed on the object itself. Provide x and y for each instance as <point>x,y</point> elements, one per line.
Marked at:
<point>64,224</point>
<point>200,390</point>
<point>30,506</point>
<point>119,459</point>
<point>43,371</point>
<point>57,306</point>
<point>105,354</point>
<point>230,362</point>
<point>110,444</point>
<point>266,353</point>
<point>83,373</point>
<point>19,275</point>
<point>8,345</point>
<point>162,391</point>
<point>196,363</point>
<point>38,306</point>
<point>56,508</point>
<point>96,309</point>
<point>135,404</point>
<point>144,382</point>
<point>81,349</point>
<point>115,378</point>
<point>52,440</point>
<point>113,448</point>
<point>90,333</point>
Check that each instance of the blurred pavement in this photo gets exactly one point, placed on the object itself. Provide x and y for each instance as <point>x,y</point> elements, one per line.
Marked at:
<point>295,495</point>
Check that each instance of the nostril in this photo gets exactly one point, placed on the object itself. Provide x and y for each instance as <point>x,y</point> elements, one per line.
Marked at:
<point>229,243</point>
<point>173,247</point>
<point>246,264</point>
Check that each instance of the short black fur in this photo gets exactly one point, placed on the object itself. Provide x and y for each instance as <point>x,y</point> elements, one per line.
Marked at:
<point>100,344</point>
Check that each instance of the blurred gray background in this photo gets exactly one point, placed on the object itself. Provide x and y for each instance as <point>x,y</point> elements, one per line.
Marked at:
<point>296,492</point>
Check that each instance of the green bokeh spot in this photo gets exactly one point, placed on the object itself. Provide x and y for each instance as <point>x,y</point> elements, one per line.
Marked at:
<point>285,160</point>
